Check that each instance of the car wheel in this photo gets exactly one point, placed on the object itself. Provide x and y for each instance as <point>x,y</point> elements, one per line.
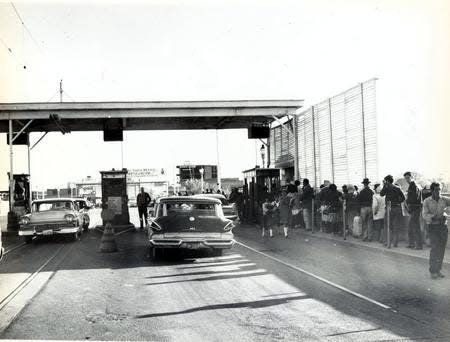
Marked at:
<point>86,224</point>
<point>73,237</point>
<point>217,252</point>
<point>28,239</point>
<point>156,253</point>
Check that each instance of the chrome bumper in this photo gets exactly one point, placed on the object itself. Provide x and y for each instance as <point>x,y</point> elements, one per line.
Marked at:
<point>63,230</point>
<point>192,244</point>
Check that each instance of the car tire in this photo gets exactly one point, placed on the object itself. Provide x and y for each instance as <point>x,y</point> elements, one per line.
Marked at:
<point>155,253</point>
<point>28,239</point>
<point>86,222</point>
<point>217,252</point>
<point>73,237</point>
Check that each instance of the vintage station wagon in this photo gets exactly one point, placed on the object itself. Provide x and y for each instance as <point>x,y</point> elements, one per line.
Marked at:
<point>191,223</point>
<point>53,216</point>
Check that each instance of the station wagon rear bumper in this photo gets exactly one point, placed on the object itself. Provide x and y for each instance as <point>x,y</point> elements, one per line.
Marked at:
<point>160,241</point>
<point>62,230</point>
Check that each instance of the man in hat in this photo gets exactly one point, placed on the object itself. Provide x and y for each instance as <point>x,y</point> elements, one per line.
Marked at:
<point>365,199</point>
<point>413,206</point>
<point>434,214</point>
<point>394,199</point>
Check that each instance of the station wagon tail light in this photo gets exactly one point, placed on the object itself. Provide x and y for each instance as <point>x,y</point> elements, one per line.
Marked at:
<point>229,226</point>
<point>24,220</point>
<point>155,226</point>
<point>69,218</point>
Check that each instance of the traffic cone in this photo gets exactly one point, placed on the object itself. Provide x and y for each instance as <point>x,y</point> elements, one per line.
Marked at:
<point>108,244</point>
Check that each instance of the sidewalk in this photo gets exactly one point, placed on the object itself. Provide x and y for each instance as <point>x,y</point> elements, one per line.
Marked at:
<point>254,231</point>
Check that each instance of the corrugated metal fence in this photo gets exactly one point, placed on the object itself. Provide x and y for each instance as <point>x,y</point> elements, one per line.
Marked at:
<point>337,138</point>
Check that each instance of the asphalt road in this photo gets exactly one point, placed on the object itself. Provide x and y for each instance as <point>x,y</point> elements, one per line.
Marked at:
<point>242,296</point>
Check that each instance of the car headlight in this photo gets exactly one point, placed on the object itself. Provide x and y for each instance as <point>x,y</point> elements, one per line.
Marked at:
<point>24,220</point>
<point>69,217</point>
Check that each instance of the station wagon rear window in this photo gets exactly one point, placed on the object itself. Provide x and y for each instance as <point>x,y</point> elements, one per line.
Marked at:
<point>189,208</point>
<point>53,205</point>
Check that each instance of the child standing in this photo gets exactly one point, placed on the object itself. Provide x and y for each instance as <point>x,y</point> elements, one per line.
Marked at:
<point>267,209</point>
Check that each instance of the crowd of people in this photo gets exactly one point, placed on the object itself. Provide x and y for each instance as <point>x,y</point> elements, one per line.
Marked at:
<point>372,213</point>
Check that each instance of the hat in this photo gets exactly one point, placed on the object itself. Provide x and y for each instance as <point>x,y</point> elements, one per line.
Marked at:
<point>366,181</point>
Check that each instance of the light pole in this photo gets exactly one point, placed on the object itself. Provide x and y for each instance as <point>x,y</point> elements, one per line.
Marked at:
<point>262,150</point>
<point>201,170</point>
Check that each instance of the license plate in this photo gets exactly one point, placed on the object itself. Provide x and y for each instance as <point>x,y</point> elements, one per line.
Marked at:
<point>193,245</point>
<point>47,232</point>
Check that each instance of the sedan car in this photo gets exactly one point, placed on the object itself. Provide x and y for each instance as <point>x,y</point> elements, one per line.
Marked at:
<point>229,209</point>
<point>52,216</point>
<point>189,222</point>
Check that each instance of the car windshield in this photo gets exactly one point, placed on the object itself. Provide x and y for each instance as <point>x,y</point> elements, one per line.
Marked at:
<point>189,208</point>
<point>52,205</point>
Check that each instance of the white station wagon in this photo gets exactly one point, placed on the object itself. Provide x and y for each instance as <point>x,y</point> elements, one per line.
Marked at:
<point>53,216</point>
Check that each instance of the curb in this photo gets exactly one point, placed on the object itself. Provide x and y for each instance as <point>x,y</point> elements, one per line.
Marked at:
<point>380,249</point>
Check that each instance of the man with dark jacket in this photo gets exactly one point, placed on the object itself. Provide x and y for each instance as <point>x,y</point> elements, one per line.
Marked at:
<point>307,198</point>
<point>365,199</point>
<point>394,199</point>
<point>143,200</point>
<point>414,207</point>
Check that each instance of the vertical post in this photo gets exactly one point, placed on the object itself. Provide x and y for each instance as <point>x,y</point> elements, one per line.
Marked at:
<point>313,214</point>
<point>11,168</point>
<point>219,184</point>
<point>295,132</point>
<point>388,226</point>
<point>268,152</point>
<point>344,219</point>
<point>363,131</point>
<point>30,195</point>
<point>314,145</point>
<point>331,142</point>
<point>60,91</point>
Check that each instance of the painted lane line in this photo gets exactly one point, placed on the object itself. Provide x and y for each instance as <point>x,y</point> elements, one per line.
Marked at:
<point>133,228</point>
<point>15,247</point>
<point>24,283</point>
<point>342,288</point>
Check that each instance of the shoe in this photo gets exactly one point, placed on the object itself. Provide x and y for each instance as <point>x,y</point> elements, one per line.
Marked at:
<point>395,245</point>
<point>418,248</point>
<point>365,239</point>
<point>434,276</point>
<point>440,275</point>
<point>409,246</point>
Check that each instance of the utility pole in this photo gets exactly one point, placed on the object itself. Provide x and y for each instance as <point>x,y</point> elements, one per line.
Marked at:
<point>219,183</point>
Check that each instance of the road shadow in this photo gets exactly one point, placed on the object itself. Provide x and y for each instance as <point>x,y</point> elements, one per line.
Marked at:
<point>247,305</point>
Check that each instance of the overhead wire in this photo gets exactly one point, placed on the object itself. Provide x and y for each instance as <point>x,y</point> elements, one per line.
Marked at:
<point>26,28</point>
<point>11,52</point>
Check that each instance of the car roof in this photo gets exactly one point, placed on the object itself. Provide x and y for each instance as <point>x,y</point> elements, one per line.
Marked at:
<point>211,196</point>
<point>194,199</point>
<point>58,199</point>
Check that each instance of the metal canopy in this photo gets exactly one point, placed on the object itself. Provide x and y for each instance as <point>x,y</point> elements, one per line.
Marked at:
<point>170,115</point>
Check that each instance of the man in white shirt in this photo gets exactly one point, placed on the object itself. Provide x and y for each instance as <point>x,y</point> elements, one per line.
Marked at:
<point>434,215</point>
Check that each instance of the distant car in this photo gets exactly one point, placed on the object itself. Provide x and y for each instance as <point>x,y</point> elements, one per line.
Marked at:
<point>52,216</point>
<point>1,246</point>
<point>84,206</point>
<point>189,222</point>
<point>229,209</point>
<point>132,202</point>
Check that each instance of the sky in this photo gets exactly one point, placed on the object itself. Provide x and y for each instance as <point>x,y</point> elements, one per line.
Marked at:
<point>220,50</point>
